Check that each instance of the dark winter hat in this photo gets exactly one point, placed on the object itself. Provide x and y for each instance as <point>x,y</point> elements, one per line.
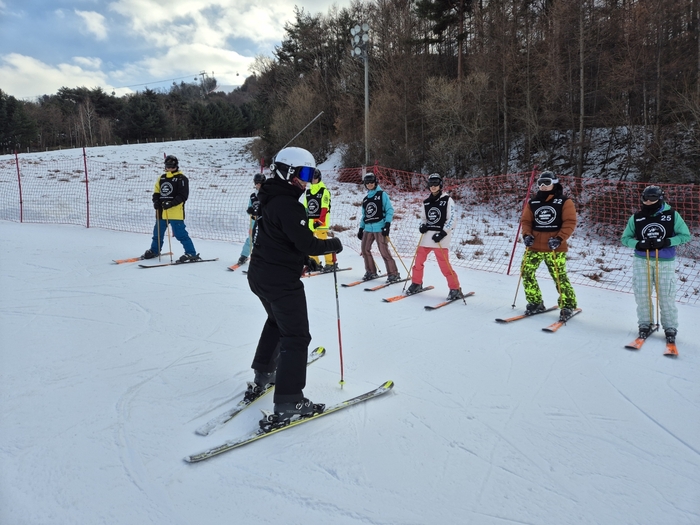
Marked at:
<point>171,162</point>
<point>652,194</point>
<point>258,178</point>
<point>369,178</point>
<point>434,180</point>
<point>546,178</point>
<point>317,174</point>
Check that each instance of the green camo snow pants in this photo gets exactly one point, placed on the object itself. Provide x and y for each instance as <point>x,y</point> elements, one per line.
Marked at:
<point>556,264</point>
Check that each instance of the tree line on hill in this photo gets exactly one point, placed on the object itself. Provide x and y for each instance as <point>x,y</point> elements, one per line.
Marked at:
<point>460,87</point>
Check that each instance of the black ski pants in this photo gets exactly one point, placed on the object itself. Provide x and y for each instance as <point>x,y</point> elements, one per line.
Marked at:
<point>285,333</point>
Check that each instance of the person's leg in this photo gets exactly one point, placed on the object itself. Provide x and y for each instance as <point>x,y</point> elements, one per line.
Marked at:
<point>641,275</point>
<point>366,252</point>
<point>443,259</point>
<point>419,265</point>
<point>180,233</point>
<point>384,251</point>
<point>667,294</point>
<point>531,262</point>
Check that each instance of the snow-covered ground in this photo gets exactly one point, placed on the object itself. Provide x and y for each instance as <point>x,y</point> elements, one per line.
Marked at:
<point>106,371</point>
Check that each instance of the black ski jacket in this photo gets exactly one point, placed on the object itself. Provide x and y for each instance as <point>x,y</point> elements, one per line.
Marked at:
<point>282,240</point>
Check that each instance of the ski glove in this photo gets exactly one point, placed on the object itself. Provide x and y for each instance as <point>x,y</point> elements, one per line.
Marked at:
<point>529,240</point>
<point>334,245</point>
<point>657,244</point>
<point>423,228</point>
<point>250,210</point>
<point>317,224</point>
<point>360,232</point>
<point>167,205</point>
<point>386,228</point>
<point>554,243</point>
<point>642,246</point>
<point>439,235</point>
<point>156,205</point>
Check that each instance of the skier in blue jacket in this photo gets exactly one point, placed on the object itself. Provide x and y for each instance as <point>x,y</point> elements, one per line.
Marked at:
<point>377,214</point>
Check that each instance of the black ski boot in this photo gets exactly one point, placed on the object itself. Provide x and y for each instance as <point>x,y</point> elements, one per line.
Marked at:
<point>644,331</point>
<point>671,335</point>
<point>565,314</point>
<point>534,308</point>
<point>187,258</point>
<point>149,255</point>
<point>414,288</point>
<point>368,276</point>
<point>288,412</point>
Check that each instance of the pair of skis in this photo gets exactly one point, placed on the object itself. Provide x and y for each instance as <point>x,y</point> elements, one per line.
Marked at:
<point>552,327</point>
<point>218,422</point>
<point>314,274</point>
<point>671,349</point>
<point>176,263</point>
<point>428,307</point>
<point>136,259</point>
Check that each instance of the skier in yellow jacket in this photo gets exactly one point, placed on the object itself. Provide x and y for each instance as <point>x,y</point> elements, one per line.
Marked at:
<point>169,195</point>
<point>317,201</point>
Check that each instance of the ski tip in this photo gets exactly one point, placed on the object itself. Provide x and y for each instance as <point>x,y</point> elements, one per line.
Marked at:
<point>319,350</point>
<point>388,385</point>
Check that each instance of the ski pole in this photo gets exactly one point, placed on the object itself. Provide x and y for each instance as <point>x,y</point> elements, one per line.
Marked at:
<point>556,273</point>
<point>447,260</point>
<point>522,266</point>
<point>408,276</point>
<point>651,307</point>
<point>167,229</point>
<point>337,313</point>
<point>658,314</point>
<point>159,243</point>
<point>398,256</point>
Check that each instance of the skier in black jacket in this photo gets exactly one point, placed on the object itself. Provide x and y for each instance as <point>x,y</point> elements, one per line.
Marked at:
<point>282,241</point>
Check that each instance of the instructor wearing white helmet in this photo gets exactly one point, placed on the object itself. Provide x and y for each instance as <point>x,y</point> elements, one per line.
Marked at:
<point>282,241</point>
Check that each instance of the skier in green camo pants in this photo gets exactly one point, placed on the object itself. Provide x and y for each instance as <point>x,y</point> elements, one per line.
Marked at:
<point>547,222</point>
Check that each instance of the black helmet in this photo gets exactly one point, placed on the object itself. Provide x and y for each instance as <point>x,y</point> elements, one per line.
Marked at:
<point>317,174</point>
<point>434,180</point>
<point>171,162</point>
<point>369,178</point>
<point>547,178</point>
<point>258,178</point>
<point>652,193</point>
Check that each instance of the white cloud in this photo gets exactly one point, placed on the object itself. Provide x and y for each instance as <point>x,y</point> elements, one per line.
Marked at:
<point>23,75</point>
<point>94,23</point>
<point>209,22</point>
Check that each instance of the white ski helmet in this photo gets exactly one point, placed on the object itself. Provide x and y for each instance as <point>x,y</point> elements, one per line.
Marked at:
<point>292,163</point>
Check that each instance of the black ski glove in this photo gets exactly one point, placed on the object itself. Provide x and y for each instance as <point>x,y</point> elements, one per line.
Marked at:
<point>386,228</point>
<point>657,244</point>
<point>156,205</point>
<point>334,245</point>
<point>529,240</point>
<point>554,243</point>
<point>167,205</point>
<point>250,210</point>
<point>642,246</point>
<point>423,228</point>
<point>439,235</point>
<point>360,232</point>
<point>317,224</point>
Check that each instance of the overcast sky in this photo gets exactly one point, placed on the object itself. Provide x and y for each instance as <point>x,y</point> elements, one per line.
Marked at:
<point>128,45</point>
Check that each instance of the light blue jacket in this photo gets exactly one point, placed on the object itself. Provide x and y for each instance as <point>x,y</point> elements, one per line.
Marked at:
<point>376,227</point>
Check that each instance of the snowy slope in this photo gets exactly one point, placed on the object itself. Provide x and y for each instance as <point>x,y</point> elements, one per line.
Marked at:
<point>106,371</point>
